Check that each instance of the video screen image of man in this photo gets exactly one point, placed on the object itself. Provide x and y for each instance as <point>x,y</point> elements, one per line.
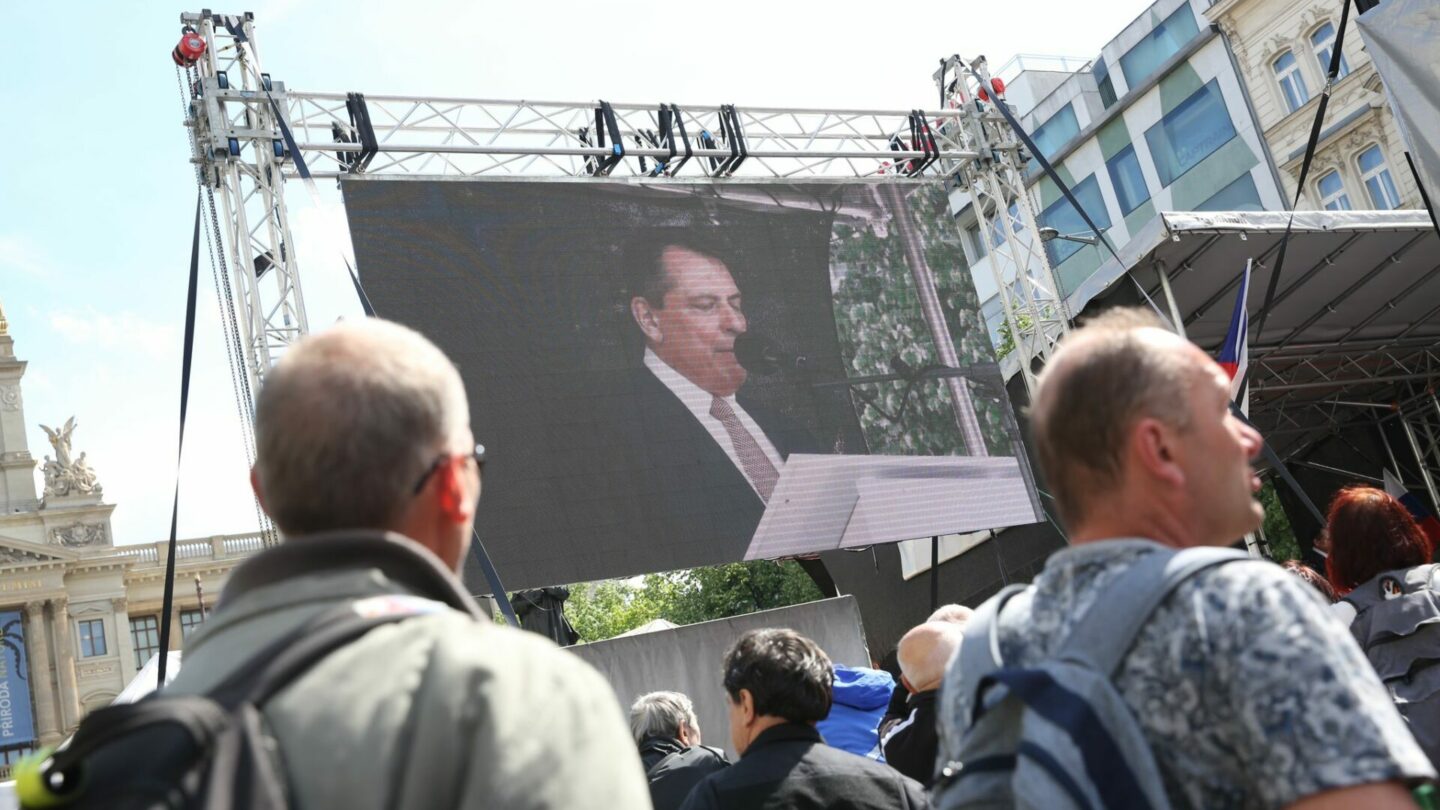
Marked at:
<point>720,451</point>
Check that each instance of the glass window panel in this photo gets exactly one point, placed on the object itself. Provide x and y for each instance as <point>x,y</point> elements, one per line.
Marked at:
<point>1128,180</point>
<point>1292,84</point>
<point>1054,133</point>
<point>189,621</point>
<point>145,638</point>
<point>1332,192</point>
<point>1159,45</point>
<point>1323,41</point>
<point>1376,177</point>
<point>1063,217</point>
<point>1101,72</point>
<point>1240,195</point>
<point>1190,133</point>
<point>92,638</point>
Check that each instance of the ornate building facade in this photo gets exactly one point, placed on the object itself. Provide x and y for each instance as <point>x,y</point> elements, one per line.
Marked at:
<point>1283,51</point>
<point>79,616</point>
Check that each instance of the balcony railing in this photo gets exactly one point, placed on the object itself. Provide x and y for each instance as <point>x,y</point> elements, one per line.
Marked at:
<point>220,547</point>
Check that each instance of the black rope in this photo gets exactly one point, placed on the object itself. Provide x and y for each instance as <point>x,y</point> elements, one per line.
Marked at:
<point>1315,127</point>
<point>168,600</point>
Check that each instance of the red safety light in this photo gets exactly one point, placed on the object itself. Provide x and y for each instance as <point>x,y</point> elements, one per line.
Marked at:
<point>190,49</point>
<point>995,84</point>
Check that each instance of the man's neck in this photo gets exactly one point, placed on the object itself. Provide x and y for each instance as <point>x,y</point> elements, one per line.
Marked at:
<point>1118,519</point>
<point>762,724</point>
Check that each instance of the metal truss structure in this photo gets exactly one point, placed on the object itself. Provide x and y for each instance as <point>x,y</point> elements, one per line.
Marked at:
<point>251,134</point>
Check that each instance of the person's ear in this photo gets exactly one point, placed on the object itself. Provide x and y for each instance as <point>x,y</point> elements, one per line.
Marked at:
<point>1153,446</point>
<point>255,487</point>
<point>644,315</point>
<point>747,706</point>
<point>450,492</point>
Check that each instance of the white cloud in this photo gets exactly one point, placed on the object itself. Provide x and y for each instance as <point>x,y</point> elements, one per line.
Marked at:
<point>124,331</point>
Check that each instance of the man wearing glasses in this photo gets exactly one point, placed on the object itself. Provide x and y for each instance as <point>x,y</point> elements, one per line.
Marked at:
<point>366,462</point>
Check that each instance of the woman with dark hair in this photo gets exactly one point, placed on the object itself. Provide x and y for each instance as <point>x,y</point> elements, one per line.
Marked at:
<point>1380,563</point>
<point>1312,578</point>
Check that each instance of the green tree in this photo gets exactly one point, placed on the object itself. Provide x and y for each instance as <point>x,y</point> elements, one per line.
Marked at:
<point>1283,545</point>
<point>601,610</point>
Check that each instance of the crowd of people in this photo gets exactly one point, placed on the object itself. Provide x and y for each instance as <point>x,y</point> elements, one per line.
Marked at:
<point>1171,671</point>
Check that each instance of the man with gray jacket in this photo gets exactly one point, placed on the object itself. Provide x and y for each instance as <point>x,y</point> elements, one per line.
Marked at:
<point>366,462</point>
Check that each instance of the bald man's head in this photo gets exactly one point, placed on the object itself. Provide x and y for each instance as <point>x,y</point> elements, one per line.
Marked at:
<point>957,614</point>
<point>1114,370</point>
<point>348,420</point>
<point>925,651</point>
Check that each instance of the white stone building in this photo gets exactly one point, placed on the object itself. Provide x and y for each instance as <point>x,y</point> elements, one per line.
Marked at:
<point>79,615</point>
<point>1283,49</point>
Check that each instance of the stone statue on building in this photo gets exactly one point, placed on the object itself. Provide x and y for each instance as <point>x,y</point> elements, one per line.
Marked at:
<point>65,475</point>
<point>60,440</point>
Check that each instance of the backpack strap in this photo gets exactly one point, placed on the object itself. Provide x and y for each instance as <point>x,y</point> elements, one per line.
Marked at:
<point>1108,629</point>
<point>979,653</point>
<point>277,664</point>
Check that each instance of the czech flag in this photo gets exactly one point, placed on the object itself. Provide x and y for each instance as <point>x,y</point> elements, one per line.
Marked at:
<point>1428,522</point>
<point>1235,352</point>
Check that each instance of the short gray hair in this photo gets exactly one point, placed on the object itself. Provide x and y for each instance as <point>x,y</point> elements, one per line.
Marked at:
<point>1106,375</point>
<point>661,714</point>
<point>348,421</point>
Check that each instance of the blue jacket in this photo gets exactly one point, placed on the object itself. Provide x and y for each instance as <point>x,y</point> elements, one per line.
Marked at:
<point>861,696</point>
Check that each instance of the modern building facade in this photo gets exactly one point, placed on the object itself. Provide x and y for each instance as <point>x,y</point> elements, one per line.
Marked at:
<point>79,616</point>
<point>1159,121</point>
<point>1283,50</point>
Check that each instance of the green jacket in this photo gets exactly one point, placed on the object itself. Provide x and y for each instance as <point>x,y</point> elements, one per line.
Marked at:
<point>444,710</point>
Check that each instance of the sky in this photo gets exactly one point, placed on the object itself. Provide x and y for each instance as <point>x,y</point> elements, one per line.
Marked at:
<point>97,195</point>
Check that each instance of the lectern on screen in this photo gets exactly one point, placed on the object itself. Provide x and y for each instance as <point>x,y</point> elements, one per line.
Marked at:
<point>672,374</point>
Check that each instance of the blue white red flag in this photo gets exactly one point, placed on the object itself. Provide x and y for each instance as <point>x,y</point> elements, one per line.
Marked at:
<point>1235,351</point>
<point>1423,516</point>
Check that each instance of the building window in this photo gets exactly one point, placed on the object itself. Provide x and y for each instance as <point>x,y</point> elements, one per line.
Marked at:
<point>997,225</point>
<point>92,638</point>
<point>1376,177</point>
<point>1240,195</point>
<point>1128,180</point>
<point>189,621</point>
<point>977,243</point>
<point>1292,84</point>
<point>1190,133</point>
<point>1159,45</point>
<point>1332,192</point>
<point>1063,217</point>
<point>1101,72</point>
<point>145,638</point>
<point>1323,43</point>
<point>1054,133</point>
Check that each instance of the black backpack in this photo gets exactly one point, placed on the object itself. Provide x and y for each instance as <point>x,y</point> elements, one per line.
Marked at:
<point>1397,623</point>
<point>189,751</point>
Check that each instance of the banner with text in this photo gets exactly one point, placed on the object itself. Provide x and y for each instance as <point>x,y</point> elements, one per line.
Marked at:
<point>17,721</point>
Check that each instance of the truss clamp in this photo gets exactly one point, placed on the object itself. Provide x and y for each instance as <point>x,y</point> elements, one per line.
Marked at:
<point>360,130</point>
<point>605,122</point>
<point>672,119</point>
<point>731,136</point>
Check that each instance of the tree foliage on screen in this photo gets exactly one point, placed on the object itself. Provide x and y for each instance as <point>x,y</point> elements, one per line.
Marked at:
<point>878,314</point>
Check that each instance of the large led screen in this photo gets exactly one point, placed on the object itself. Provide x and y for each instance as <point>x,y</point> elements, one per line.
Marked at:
<point>668,374</point>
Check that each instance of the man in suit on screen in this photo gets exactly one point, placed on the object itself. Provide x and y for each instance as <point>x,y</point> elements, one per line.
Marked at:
<point>717,453</point>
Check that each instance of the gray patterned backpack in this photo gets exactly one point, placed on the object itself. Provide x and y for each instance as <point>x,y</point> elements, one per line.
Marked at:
<point>1397,622</point>
<point>1058,735</point>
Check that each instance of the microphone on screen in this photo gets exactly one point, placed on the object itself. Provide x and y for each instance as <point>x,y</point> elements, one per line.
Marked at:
<point>758,354</point>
